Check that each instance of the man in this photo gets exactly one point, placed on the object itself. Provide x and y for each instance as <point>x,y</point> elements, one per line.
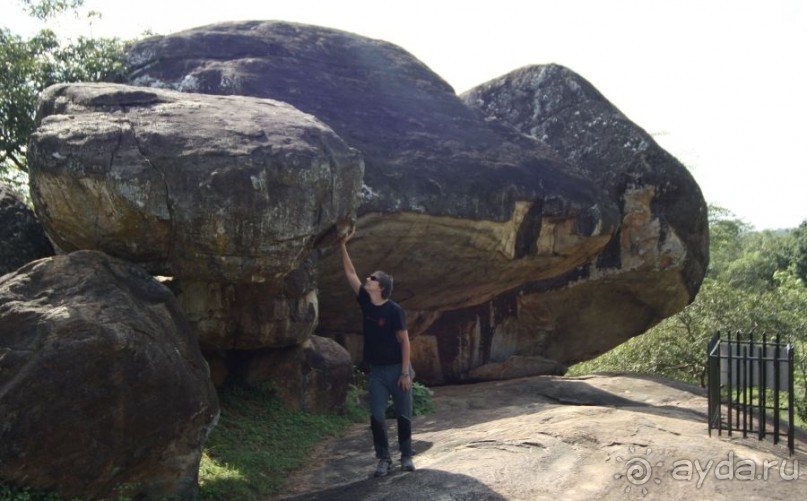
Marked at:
<point>386,350</point>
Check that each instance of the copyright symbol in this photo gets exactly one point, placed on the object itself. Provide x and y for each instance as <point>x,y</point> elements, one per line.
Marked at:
<point>638,471</point>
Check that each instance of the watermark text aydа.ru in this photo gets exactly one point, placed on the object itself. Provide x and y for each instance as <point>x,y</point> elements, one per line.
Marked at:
<point>732,468</point>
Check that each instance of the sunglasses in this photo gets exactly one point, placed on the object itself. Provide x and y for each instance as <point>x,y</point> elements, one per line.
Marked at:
<point>373,278</point>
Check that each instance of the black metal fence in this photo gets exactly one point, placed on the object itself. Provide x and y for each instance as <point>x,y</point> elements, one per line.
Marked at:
<point>747,380</point>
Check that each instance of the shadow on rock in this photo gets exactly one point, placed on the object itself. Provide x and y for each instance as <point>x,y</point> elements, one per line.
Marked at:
<point>425,484</point>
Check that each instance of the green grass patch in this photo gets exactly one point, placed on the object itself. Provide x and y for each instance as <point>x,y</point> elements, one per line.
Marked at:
<point>422,402</point>
<point>9,493</point>
<point>257,443</point>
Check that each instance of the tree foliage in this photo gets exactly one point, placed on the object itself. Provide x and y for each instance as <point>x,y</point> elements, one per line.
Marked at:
<point>29,65</point>
<point>800,251</point>
<point>46,9</point>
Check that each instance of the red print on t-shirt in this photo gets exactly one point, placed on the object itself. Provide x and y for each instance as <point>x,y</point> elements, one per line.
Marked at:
<point>381,322</point>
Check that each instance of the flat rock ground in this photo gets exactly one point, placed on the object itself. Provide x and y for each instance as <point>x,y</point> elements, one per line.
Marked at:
<point>593,437</point>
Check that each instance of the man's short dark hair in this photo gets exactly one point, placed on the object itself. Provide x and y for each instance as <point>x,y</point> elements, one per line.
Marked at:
<point>385,281</point>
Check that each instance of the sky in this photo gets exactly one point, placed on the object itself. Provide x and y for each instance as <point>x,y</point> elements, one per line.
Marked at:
<point>720,84</point>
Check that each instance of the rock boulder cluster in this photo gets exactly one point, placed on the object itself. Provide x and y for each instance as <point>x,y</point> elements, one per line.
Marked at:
<point>528,223</point>
<point>526,218</point>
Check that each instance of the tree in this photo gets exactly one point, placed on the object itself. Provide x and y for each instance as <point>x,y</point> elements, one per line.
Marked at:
<point>762,255</point>
<point>725,230</point>
<point>46,9</point>
<point>799,257</point>
<point>27,66</point>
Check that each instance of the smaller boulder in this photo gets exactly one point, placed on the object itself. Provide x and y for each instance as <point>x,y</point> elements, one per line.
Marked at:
<point>518,366</point>
<point>213,188</point>
<point>311,377</point>
<point>103,388</point>
<point>22,238</point>
<point>219,369</point>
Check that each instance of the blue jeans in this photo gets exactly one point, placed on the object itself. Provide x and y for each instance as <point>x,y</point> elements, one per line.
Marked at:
<point>382,383</point>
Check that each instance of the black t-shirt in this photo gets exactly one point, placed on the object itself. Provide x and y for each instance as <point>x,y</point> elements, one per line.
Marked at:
<point>381,346</point>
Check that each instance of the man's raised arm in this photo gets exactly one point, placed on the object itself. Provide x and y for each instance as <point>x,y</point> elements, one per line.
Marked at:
<point>350,270</point>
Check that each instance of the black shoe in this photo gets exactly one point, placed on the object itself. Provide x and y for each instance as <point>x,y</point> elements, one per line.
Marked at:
<point>383,467</point>
<point>407,464</point>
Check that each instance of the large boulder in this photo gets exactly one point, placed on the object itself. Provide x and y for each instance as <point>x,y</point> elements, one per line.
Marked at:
<point>312,376</point>
<point>209,188</point>
<point>22,238</point>
<point>651,269</point>
<point>103,388</point>
<point>455,211</point>
<point>656,261</point>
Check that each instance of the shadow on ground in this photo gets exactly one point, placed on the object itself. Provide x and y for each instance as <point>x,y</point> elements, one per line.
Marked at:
<point>423,484</point>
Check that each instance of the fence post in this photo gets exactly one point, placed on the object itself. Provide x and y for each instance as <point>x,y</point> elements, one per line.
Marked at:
<point>791,425</point>
<point>763,383</point>
<point>745,386</point>
<point>777,387</point>
<point>730,377</point>
<point>713,371</point>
